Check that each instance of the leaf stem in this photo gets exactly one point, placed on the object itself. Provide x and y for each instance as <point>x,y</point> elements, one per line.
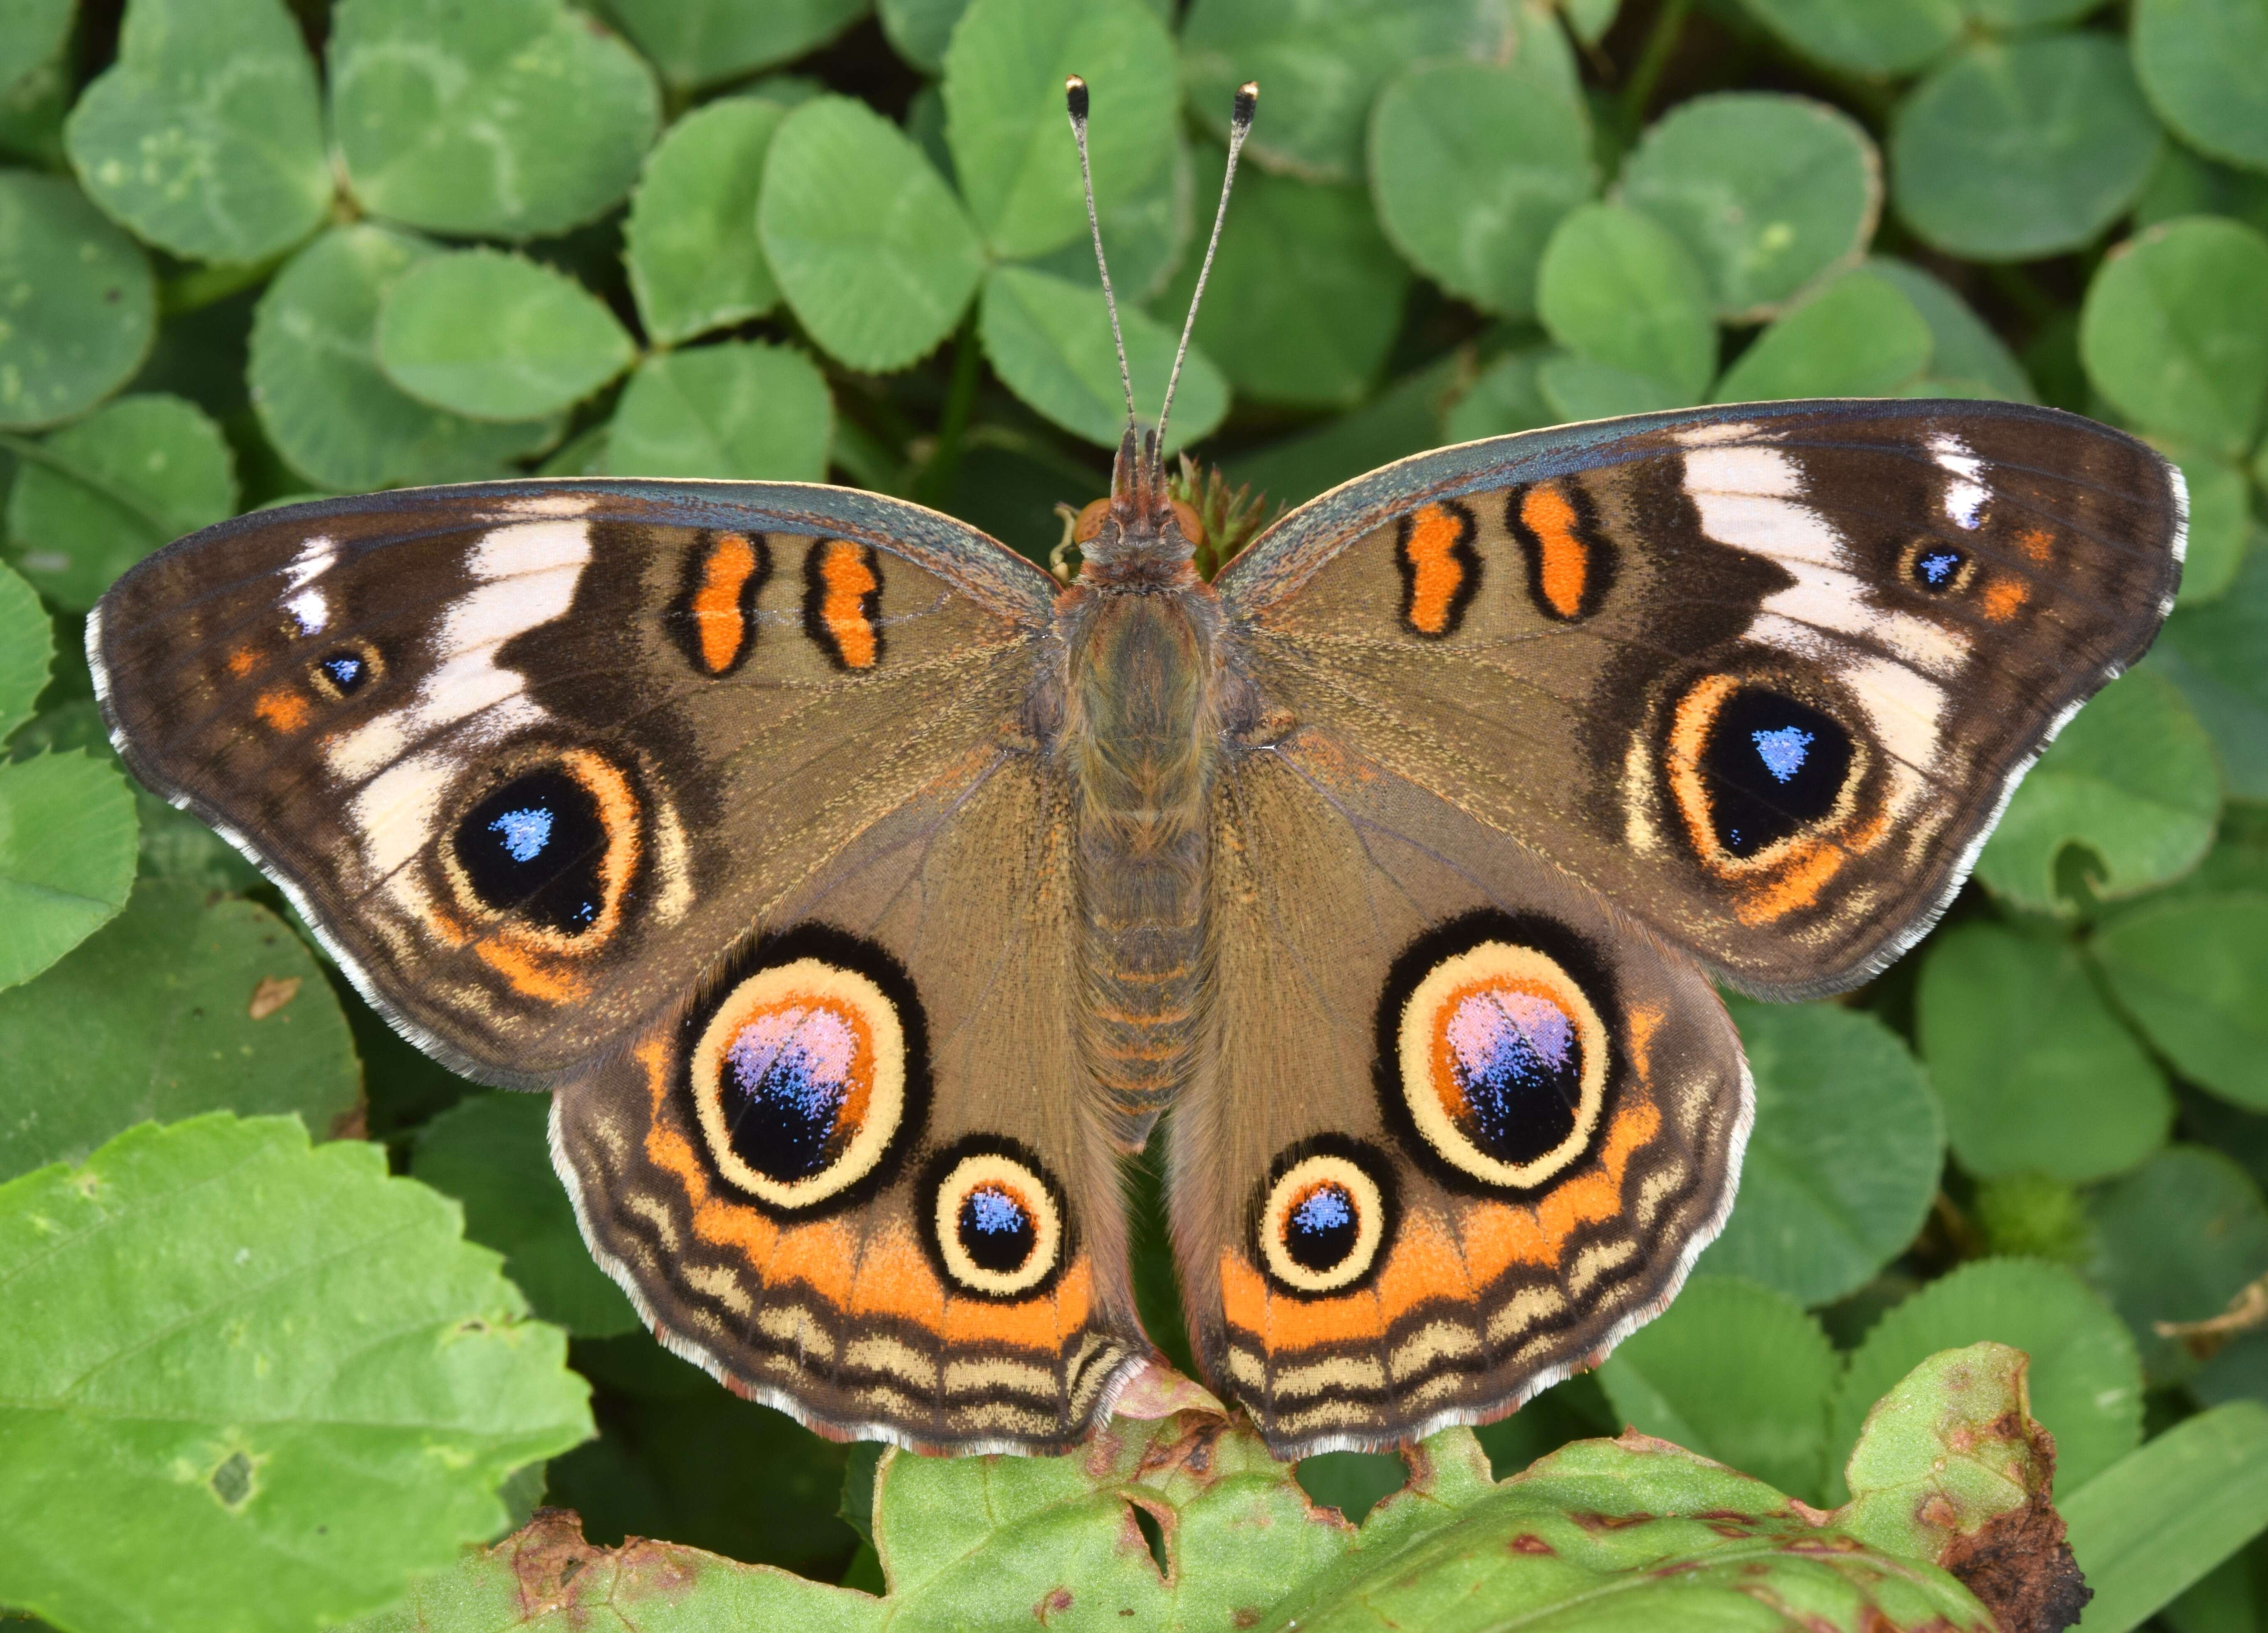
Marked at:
<point>207,285</point>
<point>935,481</point>
<point>1652,58</point>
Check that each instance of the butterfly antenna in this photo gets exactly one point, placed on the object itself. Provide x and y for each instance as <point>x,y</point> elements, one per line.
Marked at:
<point>1075,101</point>
<point>1240,126</point>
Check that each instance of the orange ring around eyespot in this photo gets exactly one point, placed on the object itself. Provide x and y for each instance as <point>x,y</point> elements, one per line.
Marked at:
<point>1426,1064</point>
<point>619,810</point>
<point>873,1107</point>
<point>1689,739</point>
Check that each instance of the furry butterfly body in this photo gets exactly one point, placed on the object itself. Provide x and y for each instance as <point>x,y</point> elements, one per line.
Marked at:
<point>862,895</point>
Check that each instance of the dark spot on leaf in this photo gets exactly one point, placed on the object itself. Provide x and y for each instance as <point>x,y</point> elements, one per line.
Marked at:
<point>1610,1522</point>
<point>1191,1454</point>
<point>1245,1616</point>
<point>1528,1542</point>
<point>231,1482</point>
<point>1056,1601</point>
<point>2021,1567</point>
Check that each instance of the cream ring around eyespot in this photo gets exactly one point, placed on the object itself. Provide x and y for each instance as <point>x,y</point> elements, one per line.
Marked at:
<point>1423,1056</point>
<point>875,1097</point>
<point>1302,1179</point>
<point>972,1173</point>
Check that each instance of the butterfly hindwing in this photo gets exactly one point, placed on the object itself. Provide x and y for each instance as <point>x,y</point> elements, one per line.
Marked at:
<point>852,1177</point>
<point>1762,675</point>
<point>1464,1125</point>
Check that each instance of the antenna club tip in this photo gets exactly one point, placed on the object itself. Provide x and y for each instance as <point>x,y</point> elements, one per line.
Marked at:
<point>1075,95</point>
<point>1247,101</point>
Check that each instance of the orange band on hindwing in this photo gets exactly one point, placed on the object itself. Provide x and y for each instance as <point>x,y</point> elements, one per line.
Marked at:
<point>714,618</point>
<point>842,602</point>
<point>1570,564</point>
<point>1440,569</point>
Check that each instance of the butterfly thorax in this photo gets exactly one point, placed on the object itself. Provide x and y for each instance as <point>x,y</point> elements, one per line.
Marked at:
<point>1140,637</point>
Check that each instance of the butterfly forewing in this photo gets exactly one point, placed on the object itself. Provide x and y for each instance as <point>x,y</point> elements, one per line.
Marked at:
<point>1762,675</point>
<point>533,757</point>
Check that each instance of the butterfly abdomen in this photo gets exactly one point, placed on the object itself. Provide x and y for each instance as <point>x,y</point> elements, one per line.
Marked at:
<point>1138,744</point>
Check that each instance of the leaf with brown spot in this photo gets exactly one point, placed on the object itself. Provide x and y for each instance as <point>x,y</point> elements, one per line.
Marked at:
<point>272,994</point>
<point>1638,1534</point>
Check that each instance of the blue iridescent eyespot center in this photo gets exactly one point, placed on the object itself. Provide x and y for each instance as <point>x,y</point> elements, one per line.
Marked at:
<point>525,831</point>
<point>1772,765</point>
<point>1516,1067</point>
<point>1782,751</point>
<point>995,1227</point>
<point>1321,1227</point>
<point>788,1078</point>
<point>536,847</point>
<point>1936,568</point>
<point>347,671</point>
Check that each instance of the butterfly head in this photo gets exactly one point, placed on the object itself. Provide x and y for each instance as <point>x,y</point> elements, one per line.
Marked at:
<point>1140,536</point>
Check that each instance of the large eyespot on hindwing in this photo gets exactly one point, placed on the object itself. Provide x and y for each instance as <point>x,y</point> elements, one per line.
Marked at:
<point>1322,1221</point>
<point>993,1218</point>
<point>842,602</point>
<point>1440,569</point>
<point>1751,767</point>
<point>1571,564</point>
<point>1495,1051</point>
<point>809,1070</point>
<point>552,843</point>
<point>713,618</point>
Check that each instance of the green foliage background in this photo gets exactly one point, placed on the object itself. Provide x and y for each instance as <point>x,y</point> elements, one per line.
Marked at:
<point>252,251</point>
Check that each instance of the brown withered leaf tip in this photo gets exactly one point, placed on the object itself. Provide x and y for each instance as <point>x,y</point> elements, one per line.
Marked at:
<point>2019,1563</point>
<point>2021,1568</point>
